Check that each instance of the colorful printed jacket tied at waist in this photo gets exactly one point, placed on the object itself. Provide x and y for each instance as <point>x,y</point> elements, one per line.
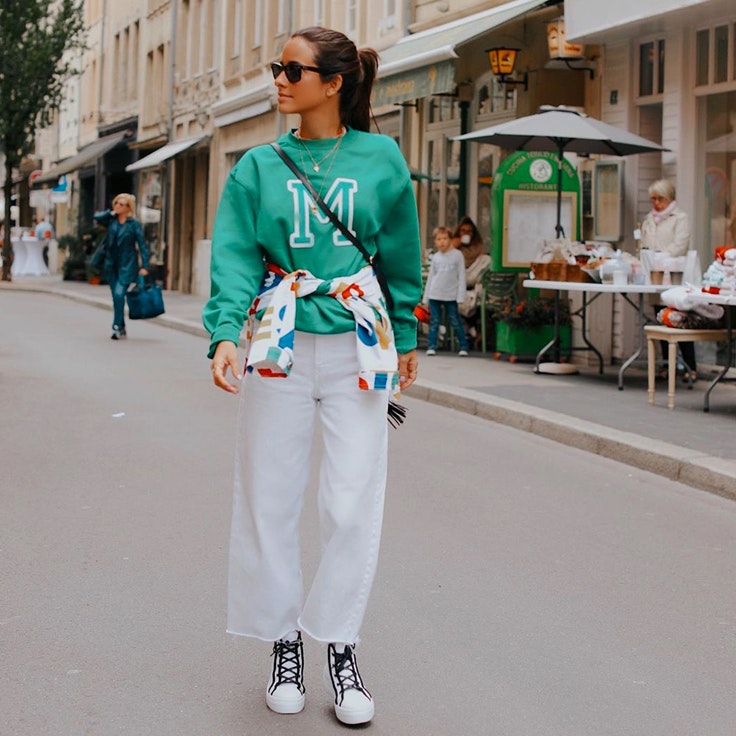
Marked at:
<point>271,348</point>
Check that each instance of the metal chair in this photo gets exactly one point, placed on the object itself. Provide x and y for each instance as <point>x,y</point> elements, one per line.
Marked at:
<point>497,285</point>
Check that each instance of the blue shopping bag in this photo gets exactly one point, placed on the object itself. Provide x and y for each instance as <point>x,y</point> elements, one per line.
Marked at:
<point>145,300</point>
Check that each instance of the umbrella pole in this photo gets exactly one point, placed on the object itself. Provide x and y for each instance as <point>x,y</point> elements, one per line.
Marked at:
<point>559,229</point>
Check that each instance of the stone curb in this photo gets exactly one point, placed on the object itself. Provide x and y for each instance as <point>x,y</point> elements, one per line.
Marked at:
<point>691,467</point>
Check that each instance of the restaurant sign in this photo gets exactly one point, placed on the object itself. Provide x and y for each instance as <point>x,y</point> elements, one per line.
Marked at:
<point>524,207</point>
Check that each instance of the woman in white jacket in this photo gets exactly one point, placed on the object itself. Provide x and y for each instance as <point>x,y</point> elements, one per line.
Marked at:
<point>666,228</point>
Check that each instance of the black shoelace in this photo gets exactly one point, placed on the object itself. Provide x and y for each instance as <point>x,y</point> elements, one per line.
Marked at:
<point>287,666</point>
<point>346,672</point>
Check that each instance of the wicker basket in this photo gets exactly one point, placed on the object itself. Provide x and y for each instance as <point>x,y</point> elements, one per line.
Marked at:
<point>551,271</point>
<point>575,273</point>
<point>539,270</point>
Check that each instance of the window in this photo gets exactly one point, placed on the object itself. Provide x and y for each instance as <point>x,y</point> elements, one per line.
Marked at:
<point>608,191</point>
<point>183,33</point>
<point>721,54</point>
<point>135,36</point>
<point>257,27</point>
<point>442,109</point>
<point>719,145</point>
<point>715,55</point>
<point>388,22</point>
<point>351,18</point>
<point>651,68</point>
<point>235,28</point>
<point>211,33</point>
<point>702,56</point>
<point>493,97</point>
<point>283,18</point>
<point>194,61</point>
<point>319,12</point>
<point>118,75</point>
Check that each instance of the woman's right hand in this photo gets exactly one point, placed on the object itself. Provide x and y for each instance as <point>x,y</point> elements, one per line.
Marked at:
<point>226,355</point>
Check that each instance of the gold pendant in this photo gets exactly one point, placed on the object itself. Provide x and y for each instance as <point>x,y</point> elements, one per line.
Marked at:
<point>316,167</point>
<point>314,209</point>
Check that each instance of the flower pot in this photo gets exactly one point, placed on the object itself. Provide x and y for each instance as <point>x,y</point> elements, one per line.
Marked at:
<point>528,341</point>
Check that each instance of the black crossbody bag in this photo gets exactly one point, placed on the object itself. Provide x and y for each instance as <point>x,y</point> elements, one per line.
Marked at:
<point>396,412</point>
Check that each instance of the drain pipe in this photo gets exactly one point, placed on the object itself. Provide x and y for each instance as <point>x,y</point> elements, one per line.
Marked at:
<point>172,68</point>
<point>166,199</point>
<point>99,193</point>
<point>281,119</point>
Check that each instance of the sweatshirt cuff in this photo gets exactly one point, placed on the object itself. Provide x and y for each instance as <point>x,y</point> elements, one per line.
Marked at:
<point>405,339</point>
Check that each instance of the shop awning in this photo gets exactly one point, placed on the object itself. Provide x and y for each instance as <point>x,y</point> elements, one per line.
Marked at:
<point>424,63</point>
<point>86,157</point>
<point>164,153</point>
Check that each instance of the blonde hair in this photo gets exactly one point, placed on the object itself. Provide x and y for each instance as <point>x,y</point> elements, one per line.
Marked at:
<point>441,229</point>
<point>663,188</point>
<point>126,199</point>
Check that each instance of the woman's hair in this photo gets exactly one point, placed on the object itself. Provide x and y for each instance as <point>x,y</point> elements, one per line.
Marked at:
<point>663,188</point>
<point>337,54</point>
<point>128,199</point>
<point>475,237</point>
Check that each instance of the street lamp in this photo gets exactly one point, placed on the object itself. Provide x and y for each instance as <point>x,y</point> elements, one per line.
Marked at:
<point>502,62</point>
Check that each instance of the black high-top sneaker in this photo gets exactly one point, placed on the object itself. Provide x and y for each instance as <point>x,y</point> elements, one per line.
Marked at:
<point>285,693</point>
<point>353,702</point>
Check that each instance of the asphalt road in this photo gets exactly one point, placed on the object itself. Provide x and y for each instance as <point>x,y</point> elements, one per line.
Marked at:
<point>524,589</point>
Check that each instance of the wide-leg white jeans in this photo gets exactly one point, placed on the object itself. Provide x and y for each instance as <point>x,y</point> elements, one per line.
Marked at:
<point>276,424</point>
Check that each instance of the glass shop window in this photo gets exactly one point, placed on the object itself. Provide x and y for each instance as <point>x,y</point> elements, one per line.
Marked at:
<point>702,57</point>
<point>651,68</point>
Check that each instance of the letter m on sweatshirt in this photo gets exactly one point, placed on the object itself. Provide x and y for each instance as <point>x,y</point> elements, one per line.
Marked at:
<point>339,198</point>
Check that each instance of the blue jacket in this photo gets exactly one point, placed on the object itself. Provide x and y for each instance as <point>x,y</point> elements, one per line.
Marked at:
<point>123,243</point>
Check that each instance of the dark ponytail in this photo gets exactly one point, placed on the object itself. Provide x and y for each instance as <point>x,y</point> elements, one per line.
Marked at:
<point>337,54</point>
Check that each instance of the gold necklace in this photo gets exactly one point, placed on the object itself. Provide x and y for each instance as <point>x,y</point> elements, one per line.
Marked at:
<point>316,164</point>
<point>326,177</point>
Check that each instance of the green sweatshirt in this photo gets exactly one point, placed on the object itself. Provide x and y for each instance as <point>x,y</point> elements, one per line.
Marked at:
<point>266,216</point>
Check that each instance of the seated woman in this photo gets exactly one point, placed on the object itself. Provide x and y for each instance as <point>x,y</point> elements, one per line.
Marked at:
<point>666,228</point>
<point>468,240</point>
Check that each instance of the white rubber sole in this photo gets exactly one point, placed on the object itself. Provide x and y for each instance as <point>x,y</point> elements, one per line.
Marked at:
<point>285,705</point>
<point>349,716</point>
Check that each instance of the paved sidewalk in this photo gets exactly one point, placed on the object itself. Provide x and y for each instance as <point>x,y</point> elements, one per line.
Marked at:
<point>585,410</point>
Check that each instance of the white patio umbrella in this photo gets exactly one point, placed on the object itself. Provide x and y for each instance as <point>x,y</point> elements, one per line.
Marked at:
<point>564,130</point>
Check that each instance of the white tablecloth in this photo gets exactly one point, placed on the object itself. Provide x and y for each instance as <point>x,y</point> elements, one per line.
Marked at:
<point>28,259</point>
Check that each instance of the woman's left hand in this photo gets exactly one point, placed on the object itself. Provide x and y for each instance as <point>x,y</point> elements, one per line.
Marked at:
<point>408,364</point>
<point>143,272</point>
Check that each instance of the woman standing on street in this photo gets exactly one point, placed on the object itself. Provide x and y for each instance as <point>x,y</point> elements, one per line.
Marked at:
<point>122,256</point>
<point>329,348</point>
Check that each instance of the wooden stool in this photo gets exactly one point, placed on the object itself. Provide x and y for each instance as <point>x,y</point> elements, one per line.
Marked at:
<point>672,335</point>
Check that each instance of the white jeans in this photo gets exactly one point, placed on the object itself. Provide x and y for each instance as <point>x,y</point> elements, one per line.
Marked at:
<point>276,425</point>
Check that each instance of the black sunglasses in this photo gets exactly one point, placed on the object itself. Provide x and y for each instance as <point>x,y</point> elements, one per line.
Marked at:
<point>293,70</point>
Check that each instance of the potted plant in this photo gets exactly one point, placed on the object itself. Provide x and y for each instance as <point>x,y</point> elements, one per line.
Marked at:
<point>525,327</point>
<point>75,264</point>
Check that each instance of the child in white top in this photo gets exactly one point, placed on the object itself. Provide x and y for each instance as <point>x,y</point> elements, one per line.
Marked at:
<point>445,289</point>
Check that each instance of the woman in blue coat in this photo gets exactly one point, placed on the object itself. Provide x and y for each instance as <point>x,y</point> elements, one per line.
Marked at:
<point>124,255</point>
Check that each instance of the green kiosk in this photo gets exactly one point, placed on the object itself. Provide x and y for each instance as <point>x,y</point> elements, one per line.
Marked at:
<point>525,205</point>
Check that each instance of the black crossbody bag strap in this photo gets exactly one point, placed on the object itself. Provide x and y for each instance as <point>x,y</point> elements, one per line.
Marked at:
<point>396,412</point>
<point>336,222</point>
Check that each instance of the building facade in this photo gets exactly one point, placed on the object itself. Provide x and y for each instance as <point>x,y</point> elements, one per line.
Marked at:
<point>668,73</point>
<point>173,92</point>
